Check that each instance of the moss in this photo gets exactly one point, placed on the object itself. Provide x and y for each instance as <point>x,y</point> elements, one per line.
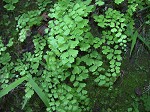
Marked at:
<point>120,98</point>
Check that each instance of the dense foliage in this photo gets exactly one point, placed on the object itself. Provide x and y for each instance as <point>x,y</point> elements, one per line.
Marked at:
<point>61,44</point>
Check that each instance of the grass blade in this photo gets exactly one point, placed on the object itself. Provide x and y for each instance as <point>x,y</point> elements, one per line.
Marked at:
<point>12,86</point>
<point>134,38</point>
<point>24,103</point>
<point>38,90</point>
<point>145,42</point>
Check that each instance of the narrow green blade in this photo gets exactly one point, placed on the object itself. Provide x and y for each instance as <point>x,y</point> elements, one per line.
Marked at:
<point>145,42</point>
<point>12,86</point>
<point>134,38</point>
<point>25,102</point>
<point>38,90</point>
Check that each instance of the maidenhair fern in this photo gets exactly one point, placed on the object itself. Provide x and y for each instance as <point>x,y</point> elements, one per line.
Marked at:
<point>2,47</point>
<point>10,4</point>
<point>26,21</point>
<point>68,53</point>
<point>69,34</point>
<point>113,43</point>
<point>5,65</point>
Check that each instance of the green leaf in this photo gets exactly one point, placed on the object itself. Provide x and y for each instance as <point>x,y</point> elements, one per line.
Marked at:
<point>67,19</point>
<point>100,3</point>
<point>116,47</point>
<point>105,51</point>
<point>12,86</point>
<point>78,19</point>
<point>101,24</point>
<point>114,75</point>
<point>9,7</point>
<point>117,52</point>
<point>76,6</point>
<point>72,78</point>
<point>82,85</point>
<point>112,62</point>
<point>97,79</point>
<point>5,58</point>
<point>71,59</point>
<point>118,1</point>
<point>108,74</point>
<point>29,93</point>
<point>76,70</point>
<point>73,52</point>
<point>89,9</point>
<point>73,44</point>
<point>63,47</point>
<point>69,96</point>
<point>117,70</point>
<point>79,89</point>
<point>98,63</point>
<point>118,34</point>
<point>112,24</point>
<point>85,76</point>
<point>76,84</point>
<point>118,63</point>
<point>67,32</point>
<point>80,78</point>
<point>94,54</point>
<point>93,68</point>
<point>121,19</point>
<point>84,46</point>
<point>102,82</point>
<point>10,43</point>
<point>60,39</point>
<point>84,92</point>
<point>55,95</point>
<point>64,55</point>
<point>80,11</point>
<point>112,70</point>
<point>102,76</point>
<point>109,56</point>
<point>113,30</point>
<point>119,58</point>
<point>82,24</point>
